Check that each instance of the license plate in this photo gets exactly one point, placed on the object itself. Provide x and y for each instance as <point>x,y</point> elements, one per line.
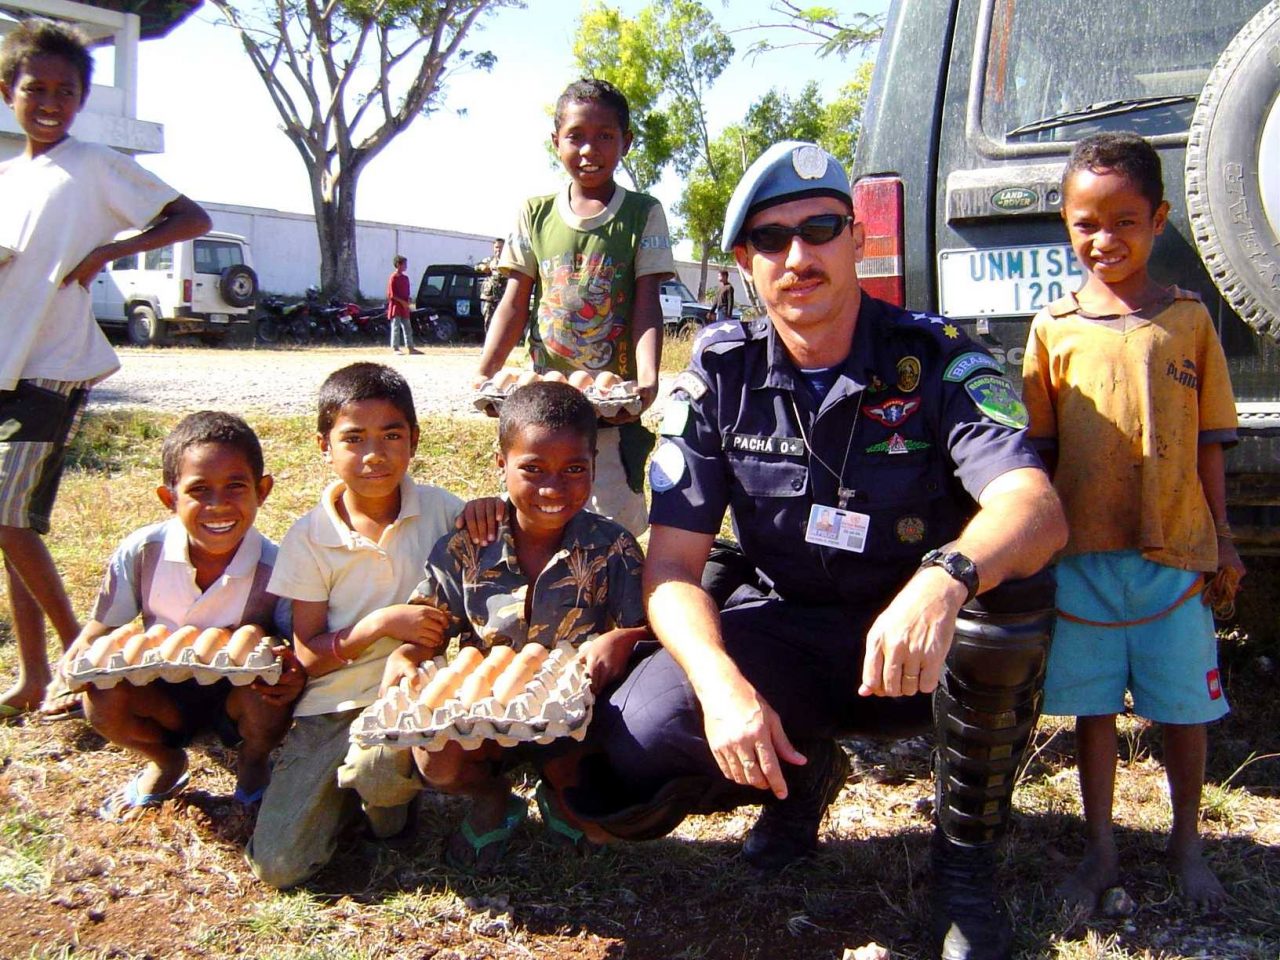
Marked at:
<point>1006,281</point>
<point>219,318</point>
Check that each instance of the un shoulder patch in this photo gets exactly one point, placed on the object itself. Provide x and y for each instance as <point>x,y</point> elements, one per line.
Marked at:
<point>996,397</point>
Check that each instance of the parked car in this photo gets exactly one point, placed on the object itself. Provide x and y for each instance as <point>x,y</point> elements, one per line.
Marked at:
<point>451,291</point>
<point>199,286</point>
<point>681,312</point>
<point>973,109</point>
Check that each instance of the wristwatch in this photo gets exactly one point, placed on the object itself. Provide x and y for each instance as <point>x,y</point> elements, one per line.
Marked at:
<point>957,566</point>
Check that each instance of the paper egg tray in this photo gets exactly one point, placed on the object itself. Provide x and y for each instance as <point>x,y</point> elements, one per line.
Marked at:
<point>261,664</point>
<point>621,399</point>
<point>555,703</point>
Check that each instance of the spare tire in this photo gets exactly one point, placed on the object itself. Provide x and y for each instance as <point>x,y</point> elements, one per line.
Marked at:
<point>1233,172</point>
<point>238,285</point>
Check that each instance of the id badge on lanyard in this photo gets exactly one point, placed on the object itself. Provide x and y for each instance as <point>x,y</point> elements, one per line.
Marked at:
<point>836,528</point>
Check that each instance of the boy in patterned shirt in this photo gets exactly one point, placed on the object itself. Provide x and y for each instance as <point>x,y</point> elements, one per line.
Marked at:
<point>554,574</point>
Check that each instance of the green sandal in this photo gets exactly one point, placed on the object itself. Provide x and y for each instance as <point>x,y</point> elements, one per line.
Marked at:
<point>483,851</point>
<point>562,831</point>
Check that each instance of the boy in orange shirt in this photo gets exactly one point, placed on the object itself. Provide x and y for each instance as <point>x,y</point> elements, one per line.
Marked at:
<point>1127,388</point>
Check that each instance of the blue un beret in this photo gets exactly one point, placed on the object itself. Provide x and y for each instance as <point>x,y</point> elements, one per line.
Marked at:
<point>790,170</point>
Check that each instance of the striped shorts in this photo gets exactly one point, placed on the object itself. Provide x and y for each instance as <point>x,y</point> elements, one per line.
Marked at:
<point>37,421</point>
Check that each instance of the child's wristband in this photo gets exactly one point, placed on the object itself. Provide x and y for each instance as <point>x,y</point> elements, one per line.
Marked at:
<point>1223,529</point>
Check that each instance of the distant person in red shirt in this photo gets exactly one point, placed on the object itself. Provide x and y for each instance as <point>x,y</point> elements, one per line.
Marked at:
<point>399,307</point>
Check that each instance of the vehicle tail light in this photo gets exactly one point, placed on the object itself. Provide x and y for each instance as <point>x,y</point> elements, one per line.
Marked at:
<point>186,291</point>
<point>877,202</point>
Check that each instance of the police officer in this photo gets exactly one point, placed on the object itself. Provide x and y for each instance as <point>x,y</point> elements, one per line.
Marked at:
<point>879,479</point>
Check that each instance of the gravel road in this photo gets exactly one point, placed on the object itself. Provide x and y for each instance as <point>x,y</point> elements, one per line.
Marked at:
<point>281,381</point>
<point>275,381</point>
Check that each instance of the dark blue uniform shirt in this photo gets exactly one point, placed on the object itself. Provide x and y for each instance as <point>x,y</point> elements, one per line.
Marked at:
<point>923,412</point>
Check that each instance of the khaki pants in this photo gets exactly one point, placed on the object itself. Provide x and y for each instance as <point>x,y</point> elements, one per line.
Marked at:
<point>319,782</point>
<point>610,495</point>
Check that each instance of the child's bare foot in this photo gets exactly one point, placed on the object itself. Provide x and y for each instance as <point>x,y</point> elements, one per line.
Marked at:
<point>1199,886</point>
<point>481,840</point>
<point>22,699</point>
<point>159,779</point>
<point>1098,871</point>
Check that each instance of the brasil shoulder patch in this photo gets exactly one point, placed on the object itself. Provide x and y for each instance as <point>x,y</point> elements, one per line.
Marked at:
<point>996,397</point>
<point>967,364</point>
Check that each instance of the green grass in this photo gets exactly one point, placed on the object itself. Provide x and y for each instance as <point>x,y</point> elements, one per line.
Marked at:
<point>27,843</point>
<point>378,903</point>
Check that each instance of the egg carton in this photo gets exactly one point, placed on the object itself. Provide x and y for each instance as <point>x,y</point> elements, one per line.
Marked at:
<point>622,398</point>
<point>262,663</point>
<point>556,703</point>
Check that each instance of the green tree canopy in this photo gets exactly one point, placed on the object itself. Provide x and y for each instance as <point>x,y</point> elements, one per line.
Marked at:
<point>818,26</point>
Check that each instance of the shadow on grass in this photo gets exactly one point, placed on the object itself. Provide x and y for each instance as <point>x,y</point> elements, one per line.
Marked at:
<point>683,897</point>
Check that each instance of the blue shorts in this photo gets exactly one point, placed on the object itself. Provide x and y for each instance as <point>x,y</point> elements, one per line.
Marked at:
<point>1169,664</point>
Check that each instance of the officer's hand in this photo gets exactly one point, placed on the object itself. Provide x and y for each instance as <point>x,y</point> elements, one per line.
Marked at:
<point>481,518</point>
<point>907,645</point>
<point>747,739</point>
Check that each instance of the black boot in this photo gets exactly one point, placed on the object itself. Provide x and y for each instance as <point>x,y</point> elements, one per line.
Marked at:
<point>966,919</point>
<point>787,830</point>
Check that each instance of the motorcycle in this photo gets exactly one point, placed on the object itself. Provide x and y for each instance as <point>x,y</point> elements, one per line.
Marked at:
<point>333,322</point>
<point>432,327</point>
<point>284,322</point>
<point>370,323</point>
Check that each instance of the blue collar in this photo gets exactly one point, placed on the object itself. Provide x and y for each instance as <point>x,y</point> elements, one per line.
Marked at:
<point>855,373</point>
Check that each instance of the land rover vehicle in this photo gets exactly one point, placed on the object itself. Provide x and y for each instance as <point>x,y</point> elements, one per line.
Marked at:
<point>681,311</point>
<point>199,286</point>
<point>973,109</point>
<point>451,291</point>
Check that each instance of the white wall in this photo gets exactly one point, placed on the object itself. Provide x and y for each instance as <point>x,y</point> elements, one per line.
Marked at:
<point>286,252</point>
<point>690,271</point>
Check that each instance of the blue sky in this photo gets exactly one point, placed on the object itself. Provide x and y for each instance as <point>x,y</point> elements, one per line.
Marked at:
<point>468,172</point>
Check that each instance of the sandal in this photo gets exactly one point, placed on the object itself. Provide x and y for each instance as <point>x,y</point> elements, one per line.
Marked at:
<point>60,701</point>
<point>11,714</point>
<point>130,797</point>
<point>563,833</point>
<point>480,853</point>
<point>248,799</point>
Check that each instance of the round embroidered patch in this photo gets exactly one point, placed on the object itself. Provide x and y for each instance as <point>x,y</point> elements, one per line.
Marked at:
<point>908,374</point>
<point>909,529</point>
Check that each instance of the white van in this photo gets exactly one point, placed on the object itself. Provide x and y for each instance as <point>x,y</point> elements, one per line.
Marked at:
<point>199,286</point>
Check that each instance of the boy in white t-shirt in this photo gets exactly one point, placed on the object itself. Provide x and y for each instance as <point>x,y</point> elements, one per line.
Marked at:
<point>348,566</point>
<point>61,203</point>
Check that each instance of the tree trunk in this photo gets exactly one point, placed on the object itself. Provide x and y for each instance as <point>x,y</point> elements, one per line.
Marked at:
<point>702,276</point>
<point>336,231</point>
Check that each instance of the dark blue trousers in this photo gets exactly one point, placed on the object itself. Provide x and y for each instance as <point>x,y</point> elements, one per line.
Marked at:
<point>805,661</point>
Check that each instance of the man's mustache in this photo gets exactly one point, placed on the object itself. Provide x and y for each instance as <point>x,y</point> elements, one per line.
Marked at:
<point>791,279</point>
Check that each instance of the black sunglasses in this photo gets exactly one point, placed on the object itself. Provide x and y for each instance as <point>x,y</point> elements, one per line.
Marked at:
<point>774,238</point>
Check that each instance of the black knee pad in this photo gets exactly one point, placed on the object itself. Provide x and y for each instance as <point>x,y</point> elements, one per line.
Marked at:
<point>987,704</point>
